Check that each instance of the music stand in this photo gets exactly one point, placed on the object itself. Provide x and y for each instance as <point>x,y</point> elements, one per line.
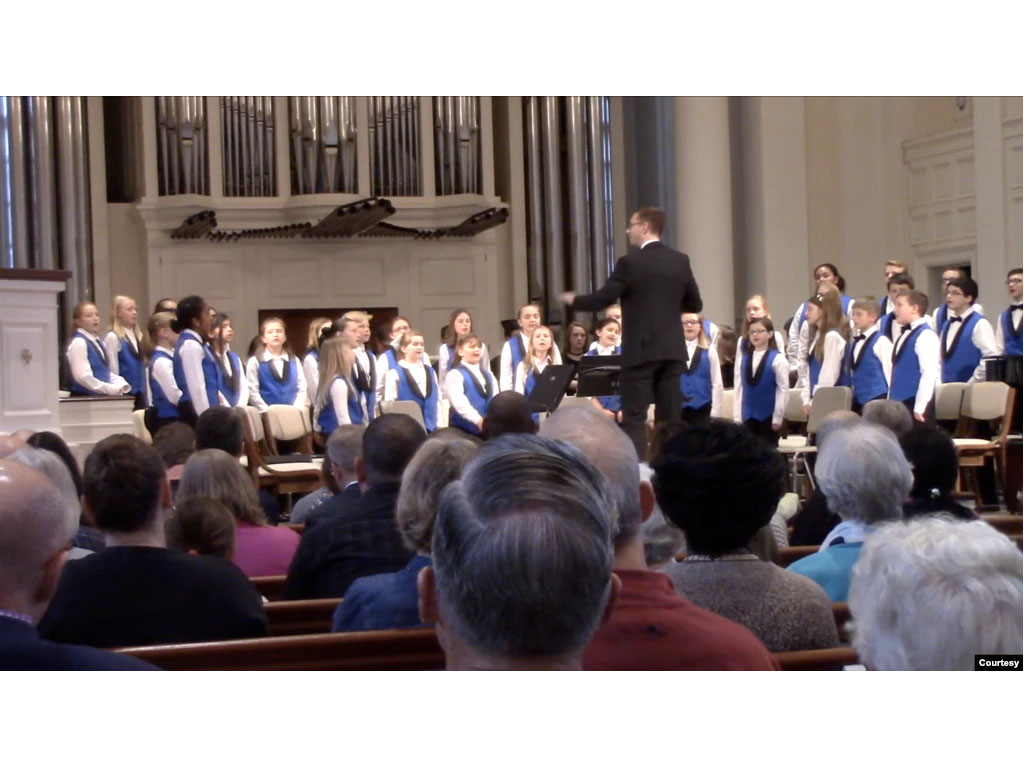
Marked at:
<point>598,375</point>
<point>550,386</point>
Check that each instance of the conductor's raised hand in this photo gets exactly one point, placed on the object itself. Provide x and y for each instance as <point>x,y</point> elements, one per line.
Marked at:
<point>567,298</point>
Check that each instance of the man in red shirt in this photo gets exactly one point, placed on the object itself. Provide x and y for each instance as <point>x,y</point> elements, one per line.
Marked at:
<point>651,627</point>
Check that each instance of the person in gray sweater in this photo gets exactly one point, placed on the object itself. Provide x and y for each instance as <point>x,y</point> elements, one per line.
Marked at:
<point>720,484</point>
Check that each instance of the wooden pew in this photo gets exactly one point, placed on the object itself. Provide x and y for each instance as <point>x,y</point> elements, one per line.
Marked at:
<point>301,617</point>
<point>841,615</point>
<point>271,587</point>
<point>405,649</point>
<point>1011,525</point>
<point>826,659</point>
<point>789,555</point>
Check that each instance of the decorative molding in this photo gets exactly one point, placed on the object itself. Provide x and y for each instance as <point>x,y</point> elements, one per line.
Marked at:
<point>943,143</point>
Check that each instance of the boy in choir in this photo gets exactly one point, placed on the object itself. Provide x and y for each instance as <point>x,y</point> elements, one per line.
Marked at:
<point>761,383</point>
<point>88,358</point>
<point>892,268</point>
<point>1008,338</point>
<point>609,332</point>
<point>916,367</point>
<point>966,336</point>
<point>941,313</point>
<point>701,381</point>
<point>125,349</point>
<point>514,351</point>
<point>163,389</point>
<point>337,401</point>
<point>414,380</point>
<point>275,377</point>
<point>470,387</point>
<point>234,382</point>
<point>887,323</point>
<point>868,360</point>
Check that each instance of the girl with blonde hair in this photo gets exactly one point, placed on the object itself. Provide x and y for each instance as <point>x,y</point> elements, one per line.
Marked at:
<point>126,347</point>
<point>821,359</point>
<point>337,401</point>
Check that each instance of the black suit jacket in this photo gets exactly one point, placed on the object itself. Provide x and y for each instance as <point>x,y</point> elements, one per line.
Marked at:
<point>654,285</point>
<point>21,648</point>
<point>336,506</point>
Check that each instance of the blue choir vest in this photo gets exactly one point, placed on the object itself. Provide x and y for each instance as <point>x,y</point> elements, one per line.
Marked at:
<point>866,372</point>
<point>211,370</point>
<point>611,403</point>
<point>427,401</point>
<point>759,387</point>
<point>129,364</point>
<point>962,358</point>
<point>278,391</point>
<point>906,368</point>
<point>885,325</point>
<point>366,381</point>
<point>328,419</point>
<point>231,387</point>
<point>517,348</point>
<point>695,383</point>
<point>1011,335</point>
<point>478,397</point>
<point>97,361</point>
<point>165,409</point>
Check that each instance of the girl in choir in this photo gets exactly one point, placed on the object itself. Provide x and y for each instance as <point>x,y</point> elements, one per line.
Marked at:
<point>163,389</point>
<point>761,384</point>
<point>701,381</point>
<point>275,377</point>
<point>576,339</point>
<point>337,401</point>
<point>757,306</point>
<point>538,357</point>
<point>608,335</point>
<point>470,387</point>
<point>725,346</point>
<point>311,362</point>
<point>413,380</point>
<point>459,326</point>
<point>514,351</point>
<point>234,384</point>
<point>125,347</point>
<point>823,273</point>
<point>821,361</point>
<point>88,358</point>
<point>196,371</point>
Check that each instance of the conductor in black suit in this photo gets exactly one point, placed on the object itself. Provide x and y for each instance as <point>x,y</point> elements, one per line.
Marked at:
<point>654,285</point>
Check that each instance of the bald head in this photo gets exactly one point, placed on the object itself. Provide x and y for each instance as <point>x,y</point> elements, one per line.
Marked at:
<point>9,444</point>
<point>612,452</point>
<point>35,523</point>
<point>832,423</point>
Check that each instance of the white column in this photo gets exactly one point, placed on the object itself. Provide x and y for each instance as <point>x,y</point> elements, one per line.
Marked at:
<point>702,221</point>
<point>990,202</point>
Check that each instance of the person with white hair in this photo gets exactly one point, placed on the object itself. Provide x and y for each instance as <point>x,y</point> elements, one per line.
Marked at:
<point>932,593</point>
<point>521,574</point>
<point>651,627</point>
<point>865,478</point>
<point>36,526</point>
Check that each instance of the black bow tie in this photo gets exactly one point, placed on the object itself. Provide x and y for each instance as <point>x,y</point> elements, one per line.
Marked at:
<point>956,319</point>
<point>859,337</point>
<point>905,329</point>
<point>1015,306</point>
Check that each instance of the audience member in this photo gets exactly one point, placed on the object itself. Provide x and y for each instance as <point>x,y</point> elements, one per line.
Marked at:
<point>812,523</point>
<point>344,447</point>
<point>136,591</point>
<point>51,441</point>
<point>389,600</point>
<point>202,526</point>
<point>933,594</point>
<point>721,485</point>
<point>684,636</point>
<point>865,479</point>
<point>365,540</point>
<point>888,414</point>
<point>522,558</point>
<point>9,444</point>
<point>36,524</point>
<point>508,413</point>
<point>174,443</point>
<point>260,549</point>
<point>662,540</point>
<point>933,459</point>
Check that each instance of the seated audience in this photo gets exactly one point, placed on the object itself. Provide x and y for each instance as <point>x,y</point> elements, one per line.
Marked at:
<point>136,591</point>
<point>662,540</point>
<point>865,479</point>
<point>721,485</point>
<point>174,444</point>
<point>222,427</point>
<point>508,413</point>
<point>650,627</point>
<point>9,444</point>
<point>87,537</point>
<point>36,524</point>
<point>522,558</point>
<point>202,526</point>
<point>887,413</point>
<point>933,459</point>
<point>812,523</point>
<point>389,600</point>
<point>260,549</point>
<point>344,446</point>
<point>365,540</point>
<point>932,593</point>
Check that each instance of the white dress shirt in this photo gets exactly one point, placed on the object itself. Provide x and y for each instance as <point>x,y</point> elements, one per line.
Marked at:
<point>455,388</point>
<point>163,372</point>
<point>831,364</point>
<point>1014,322</point>
<point>444,361</point>
<point>982,337</point>
<point>382,365</point>
<point>338,395</point>
<point>418,371</point>
<point>882,349</point>
<point>81,370</point>
<point>780,368</point>
<point>932,317</point>
<point>252,373</point>
<point>113,345</point>
<point>311,369</point>
<point>929,362</point>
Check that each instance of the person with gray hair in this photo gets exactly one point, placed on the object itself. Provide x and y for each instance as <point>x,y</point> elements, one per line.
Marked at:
<point>887,413</point>
<point>36,524</point>
<point>932,593</point>
<point>344,446</point>
<point>522,558</point>
<point>684,635</point>
<point>389,600</point>
<point>865,479</point>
